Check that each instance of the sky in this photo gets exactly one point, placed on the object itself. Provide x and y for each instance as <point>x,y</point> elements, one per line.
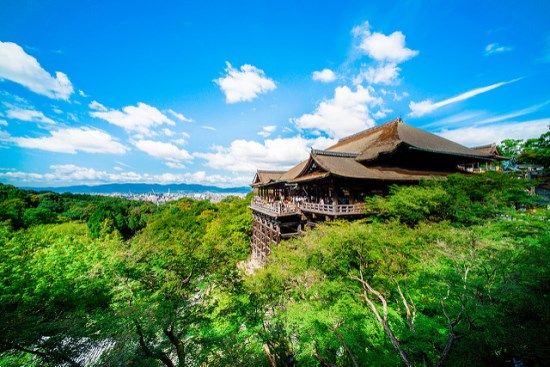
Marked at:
<point>208,92</point>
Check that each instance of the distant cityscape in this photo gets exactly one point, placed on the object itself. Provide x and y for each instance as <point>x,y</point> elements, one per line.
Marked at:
<point>162,198</point>
<point>155,193</point>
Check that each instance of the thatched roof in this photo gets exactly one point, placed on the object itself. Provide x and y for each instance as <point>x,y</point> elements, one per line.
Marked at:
<point>263,177</point>
<point>386,138</point>
<point>357,156</point>
<point>492,150</point>
<point>345,165</point>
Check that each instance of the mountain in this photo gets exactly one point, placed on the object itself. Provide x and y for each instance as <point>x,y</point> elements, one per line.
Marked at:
<point>140,188</point>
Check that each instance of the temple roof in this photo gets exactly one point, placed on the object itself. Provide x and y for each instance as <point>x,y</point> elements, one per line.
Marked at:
<point>386,138</point>
<point>263,177</point>
<point>338,164</point>
<point>491,149</point>
<point>357,156</point>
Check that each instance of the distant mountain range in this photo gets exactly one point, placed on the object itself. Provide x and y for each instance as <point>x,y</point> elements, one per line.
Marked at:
<point>140,188</point>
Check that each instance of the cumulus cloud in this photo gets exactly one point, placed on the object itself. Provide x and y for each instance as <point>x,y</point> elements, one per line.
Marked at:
<point>28,115</point>
<point>82,94</point>
<point>166,151</point>
<point>267,131</point>
<point>179,116</point>
<point>495,48</point>
<point>381,47</point>
<point>347,113</point>
<point>3,122</point>
<point>244,85</point>
<point>424,107</point>
<point>73,140</point>
<point>248,156</point>
<point>495,133</point>
<point>95,105</point>
<point>19,67</point>
<point>140,119</point>
<point>386,74</point>
<point>72,174</point>
<point>325,76</point>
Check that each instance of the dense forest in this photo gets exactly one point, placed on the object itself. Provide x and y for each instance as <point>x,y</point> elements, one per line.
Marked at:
<point>450,272</point>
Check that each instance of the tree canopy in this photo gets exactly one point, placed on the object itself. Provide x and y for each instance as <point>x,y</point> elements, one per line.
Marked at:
<point>450,272</point>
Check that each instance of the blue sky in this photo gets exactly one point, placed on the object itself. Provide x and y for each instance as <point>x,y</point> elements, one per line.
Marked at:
<point>207,92</point>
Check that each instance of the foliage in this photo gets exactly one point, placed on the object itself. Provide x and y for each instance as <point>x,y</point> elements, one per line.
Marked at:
<point>531,151</point>
<point>446,272</point>
<point>460,199</point>
<point>451,271</point>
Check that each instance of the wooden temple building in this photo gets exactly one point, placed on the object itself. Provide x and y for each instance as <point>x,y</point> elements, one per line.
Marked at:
<point>333,183</point>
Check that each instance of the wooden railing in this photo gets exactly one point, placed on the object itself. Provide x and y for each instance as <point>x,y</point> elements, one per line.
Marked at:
<point>274,208</point>
<point>279,209</point>
<point>331,209</point>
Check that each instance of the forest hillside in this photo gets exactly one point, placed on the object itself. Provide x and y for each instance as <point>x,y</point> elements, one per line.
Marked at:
<point>451,272</point>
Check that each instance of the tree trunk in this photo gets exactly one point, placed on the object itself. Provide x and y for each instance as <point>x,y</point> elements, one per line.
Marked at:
<point>180,347</point>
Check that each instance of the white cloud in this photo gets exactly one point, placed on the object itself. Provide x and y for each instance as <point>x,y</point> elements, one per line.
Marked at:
<point>347,113</point>
<point>165,151</point>
<point>386,74</point>
<point>381,47</point>
<point>486,134</point>
<point>3,122</point>
<point>174,165</point>
<point>248,156</point>
<point>382,113</point>
<point>325,76</point>
<point>183,139</point>
<point>168,132</point>
<point>95,105</point>
<point>267,130</point>
<point>208,127</point>
<point>28,115</point>
<point>73,140</point>
<point>135,119</point>
<point>179,116</point>
<point>82,94</point>
<point>421,108</point>
<point>495,48</point>
<point>244,85</point>
<point>72,174</point>
<point>19,67</point>
<point>514,114</point>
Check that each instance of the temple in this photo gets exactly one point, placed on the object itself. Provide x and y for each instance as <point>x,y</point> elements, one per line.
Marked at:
<point>333,183</point>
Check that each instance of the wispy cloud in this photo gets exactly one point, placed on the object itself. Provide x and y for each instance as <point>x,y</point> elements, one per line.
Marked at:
<point>495,133</point>
<point>422,108</point>
<point>179,116</point>
<point>267,131</point>
<point>512,115</point>
<point>387,74</point>
<point>19,67</point>
<point>73,140</point>
<point>495,48</point>
<point>244,85</point>
<point>28,115</point>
